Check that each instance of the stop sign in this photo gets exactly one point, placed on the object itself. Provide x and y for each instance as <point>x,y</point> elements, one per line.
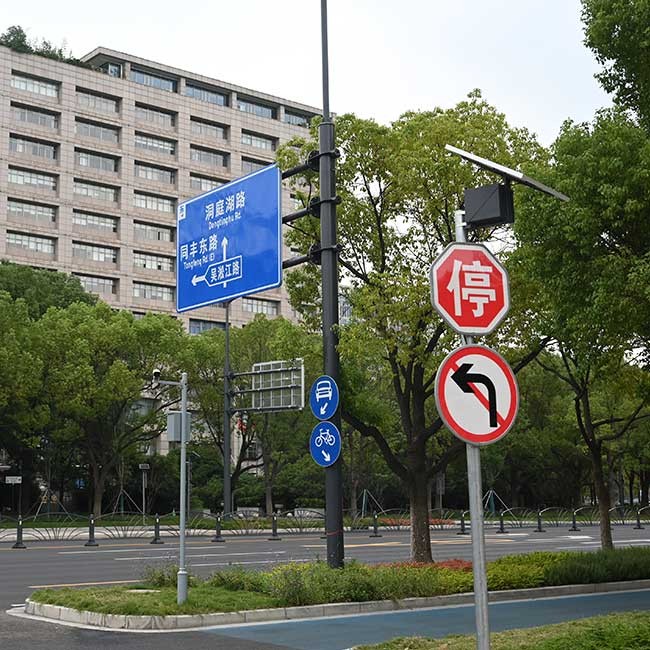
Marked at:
<point>469,288</point>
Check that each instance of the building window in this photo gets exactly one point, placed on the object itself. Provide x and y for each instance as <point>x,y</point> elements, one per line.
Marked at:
<point>97,221</point>
<point>204,183</point>
<point>97,101</point>
<point>208,157</point>
<point>96,191</point>
<point>157,174</point>
<point>99,285</point>
<point>36,179</point>
<point>208,129</point>
<point>153,291</point>
<point>153,202</point>
<point>248,165</point>
<point>97,131</point>
<point>205,95</point>
<point>31,211</point>
<point>197,326</point>
<point>155,116</point>
<point>31,242</point>
<point>259,306</point>
<point>153,262</point>
<point>157,145</point>
<point>95,161</point>
<point>34,116</point>
<point>153,80</point>
<point>296,119</point>
<point>257,141</point>
<point>254,108</point>
<point>150,232</point>
<point>35,85</point>
<point>112,69</point>
<point>32,147</point>
<point>94,253</point>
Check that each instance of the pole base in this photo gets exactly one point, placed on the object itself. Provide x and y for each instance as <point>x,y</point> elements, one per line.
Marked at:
<point>156,541</point>
<point>181,586</point>
<point>375,535</point>
<point>274,539</point>
<point>18,545</point>
<point>91,544</point>
<point>218,539</point>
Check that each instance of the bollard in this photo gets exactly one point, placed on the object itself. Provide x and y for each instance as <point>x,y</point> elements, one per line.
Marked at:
<point>274,529</point>
<point>574,528</point>
<point>638,521</point>
<point>91,532</point>
<point>375,525</point>
<point>463,530</point>
<point>217,531</point>
<point>539,528</point>
<point>501,524</point>
<point>19,535</point>
<point>156,532</point>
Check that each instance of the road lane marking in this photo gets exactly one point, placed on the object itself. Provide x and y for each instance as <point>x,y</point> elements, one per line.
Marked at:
<point>84,584</point>
<point>164,557</point>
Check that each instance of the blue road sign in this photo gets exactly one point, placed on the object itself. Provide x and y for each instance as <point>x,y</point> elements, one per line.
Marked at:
<point>229,241</point>
<point>324,397</point>
<point>325,444</point>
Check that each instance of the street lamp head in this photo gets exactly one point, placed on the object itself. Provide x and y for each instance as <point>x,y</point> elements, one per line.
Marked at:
<point>155,377</point>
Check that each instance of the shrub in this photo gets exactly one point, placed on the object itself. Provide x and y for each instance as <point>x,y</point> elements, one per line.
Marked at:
<point>163,576</point>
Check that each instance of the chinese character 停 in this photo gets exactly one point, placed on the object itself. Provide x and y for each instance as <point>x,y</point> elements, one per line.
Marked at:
<point>470,283</point>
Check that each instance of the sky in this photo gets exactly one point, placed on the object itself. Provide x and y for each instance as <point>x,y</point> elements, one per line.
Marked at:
<point>386,56</point>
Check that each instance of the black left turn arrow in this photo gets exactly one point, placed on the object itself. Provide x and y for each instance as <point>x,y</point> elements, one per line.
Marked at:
<point>463,378</point>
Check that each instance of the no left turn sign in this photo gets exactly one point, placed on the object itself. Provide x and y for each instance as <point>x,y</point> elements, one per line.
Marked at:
<point>476,394</point>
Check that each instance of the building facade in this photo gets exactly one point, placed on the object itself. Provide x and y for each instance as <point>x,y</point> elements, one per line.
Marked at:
<point>93,162</point>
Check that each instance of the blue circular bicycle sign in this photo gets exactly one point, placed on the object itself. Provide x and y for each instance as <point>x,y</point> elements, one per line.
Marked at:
<point>324,397</point>
<point>325,444</point>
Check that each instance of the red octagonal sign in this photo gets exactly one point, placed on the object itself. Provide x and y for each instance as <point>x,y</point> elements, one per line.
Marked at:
<point>469,288</point>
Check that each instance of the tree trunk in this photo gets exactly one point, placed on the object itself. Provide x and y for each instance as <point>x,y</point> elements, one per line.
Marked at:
<point>644,485</point>
<point>268,492</point>
<point>354,485</point>
<point>602,493</point>
<point>419,500</point>
<point>99,482</point>
<point>631,478</point>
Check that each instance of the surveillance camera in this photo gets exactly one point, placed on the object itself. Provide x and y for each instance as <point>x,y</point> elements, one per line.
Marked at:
<point>155,376</point>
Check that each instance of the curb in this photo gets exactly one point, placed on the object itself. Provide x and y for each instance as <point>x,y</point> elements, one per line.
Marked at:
<point>120,622</point>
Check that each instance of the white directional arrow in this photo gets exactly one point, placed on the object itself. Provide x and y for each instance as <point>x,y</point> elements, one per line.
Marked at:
<point>326,456</point>
<point>197,278</point>
<point>324,408</point>
<point>224,246</point>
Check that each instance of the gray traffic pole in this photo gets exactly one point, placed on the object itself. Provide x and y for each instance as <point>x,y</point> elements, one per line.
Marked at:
<point>574,527</point>
<point>156,532</point>
<point>375,525</point>
<point>274,529</point>
<point>91,531</point>
<point>181,578</point>
<point>217,530</point>
<point>19,535</point>
<point>539,528</point>
<point>227,489</point>
<point>330,302</point>
<point>476,511</point>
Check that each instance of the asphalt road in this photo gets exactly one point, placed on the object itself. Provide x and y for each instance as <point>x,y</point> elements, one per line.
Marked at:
<point>47,564</point>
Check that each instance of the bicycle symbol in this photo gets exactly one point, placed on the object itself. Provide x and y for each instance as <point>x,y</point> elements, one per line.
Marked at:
<point>324,436</point>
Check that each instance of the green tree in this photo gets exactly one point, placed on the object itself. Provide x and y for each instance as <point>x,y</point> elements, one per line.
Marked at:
<point>618,32</point>
<point>98,363</point>
<point>586,259</point>
<point>42,289</point>
<point>399,189</point>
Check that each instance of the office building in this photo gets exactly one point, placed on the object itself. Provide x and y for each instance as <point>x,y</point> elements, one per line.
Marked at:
<point>93,161</point>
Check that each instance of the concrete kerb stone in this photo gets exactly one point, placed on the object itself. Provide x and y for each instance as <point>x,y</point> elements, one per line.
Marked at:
<point>56,613</point>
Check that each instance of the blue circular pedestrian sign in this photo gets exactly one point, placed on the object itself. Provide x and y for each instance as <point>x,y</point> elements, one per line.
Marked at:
<point>325,444</point>
<point>324,397</point>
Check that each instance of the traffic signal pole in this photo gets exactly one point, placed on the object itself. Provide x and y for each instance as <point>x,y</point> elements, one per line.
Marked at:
<point>330,300</point>
<point>476,508</point>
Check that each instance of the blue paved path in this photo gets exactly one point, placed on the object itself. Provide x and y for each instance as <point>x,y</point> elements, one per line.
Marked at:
<point>344,632</point>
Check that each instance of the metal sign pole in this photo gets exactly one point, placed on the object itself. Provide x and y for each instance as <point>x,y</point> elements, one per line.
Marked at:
<point>476,510</point>
<point>181,595</point>
<point>329,275</point>
<point>227,497</point>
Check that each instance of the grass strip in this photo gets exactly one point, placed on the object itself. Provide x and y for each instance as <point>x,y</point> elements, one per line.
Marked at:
<point>628,631</point>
